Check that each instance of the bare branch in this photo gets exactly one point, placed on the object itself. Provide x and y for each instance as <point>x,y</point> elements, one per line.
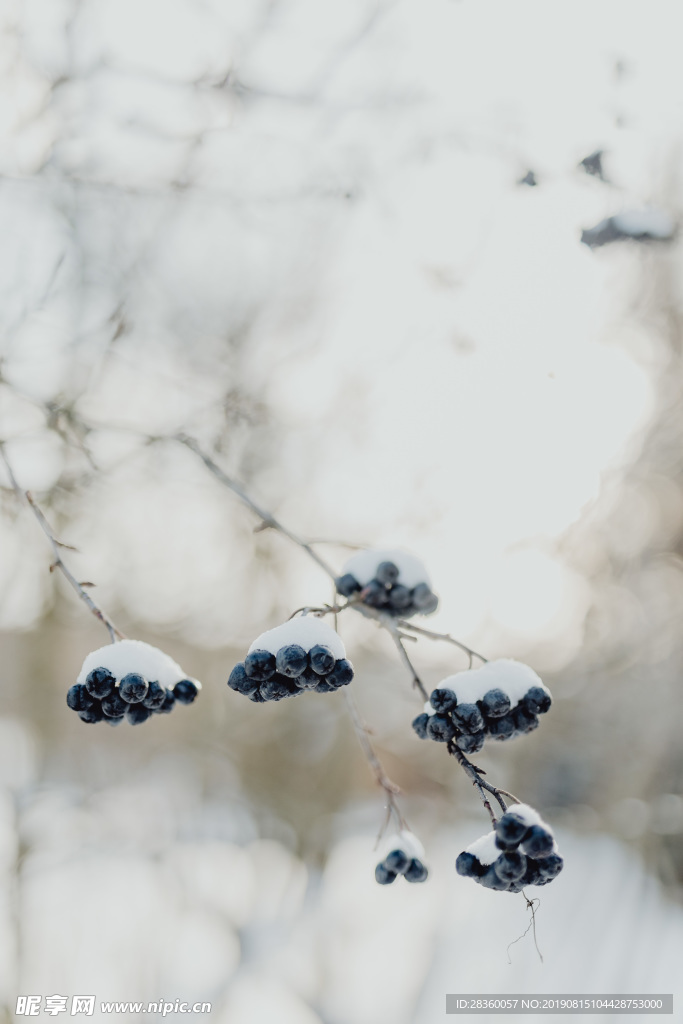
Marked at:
<point>376,767</point>
<point>475,774</point>
<point>445,637</point>
<point>57,546</point>
<point>268,521</point>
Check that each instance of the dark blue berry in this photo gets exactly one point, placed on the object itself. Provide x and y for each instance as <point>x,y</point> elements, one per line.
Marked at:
<point>99,683</point>
<point>416,871</point>
<point>133,688</point>
<point>470,743</point>
<point>376,595</point>
<point>341,674</point>
<point>185,691</point>
<point>510,867</point>
<point>468,865</point>
<point>495,703</point>
<point>260,665</point>
<point>308,680</point>
<point>113,721</point>
<point>399,598</point>
<point>321,659</point>
<point>532,875</point>
<point>239,681</point>
<point>397,861</point>
<point>114,706</point>
<point>524,720</point>
<point>347,585</point>
<point>168,704</point>
<point>383,875</point>
<point>501,728</point>
<point>74,697</point>
<point>137,713</point>
<point>277,688</point>
<point>387,573</point>
<point>538,842</point>
<point>156,696</point>
<point>440,728</point>
<point>490,880</point>
<point>511,829</point>
<point>443,700</point>
<point>291,660</point>
<point>420,725</point>
<point>424,600</point>
<point>325,686</point>
<point>537,701</point>
<point>92,713</point>
<point>468,718</point>
<point>550,866</point>
<point>255,695</point>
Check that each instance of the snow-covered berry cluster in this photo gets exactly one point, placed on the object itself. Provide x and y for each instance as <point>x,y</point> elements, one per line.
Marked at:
<point>391,581</point>
<point>404,857</point>
<point>302,654</point>
<point>501,699</point>
<point>129,679</point>
<point>520,851</point>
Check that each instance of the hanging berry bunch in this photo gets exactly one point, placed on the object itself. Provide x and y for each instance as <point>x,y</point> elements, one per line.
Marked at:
<point>390,581</point>
<point>520,851</point>
<point>405,856</point>
<point>129,679</point>
<point>500,700</point>
<point>301,654</point>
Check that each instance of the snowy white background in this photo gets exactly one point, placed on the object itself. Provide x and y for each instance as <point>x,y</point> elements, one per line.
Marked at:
<point>296,228</point>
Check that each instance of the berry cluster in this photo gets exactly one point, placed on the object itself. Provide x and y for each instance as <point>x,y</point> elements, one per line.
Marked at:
<point>403,858</point>
<point>131,680</point>
<point>302,654</point>
<point>501,699</point>
<point>520,851</point>
<point>390,581</point>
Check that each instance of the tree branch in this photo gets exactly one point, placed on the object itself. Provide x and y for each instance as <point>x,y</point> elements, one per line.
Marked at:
<point>376,767</point>
<point>268,521</point>
<point>475,774</point>
<point>446,637</point>
<point>57,546</point>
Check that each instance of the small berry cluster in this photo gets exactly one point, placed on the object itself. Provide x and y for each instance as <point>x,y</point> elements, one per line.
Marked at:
<point>302,654</point>
<point>390,581</point>
<point>520,851</point>
<point>106,691</point>
<point>500,700</point>
<point>403,858</point>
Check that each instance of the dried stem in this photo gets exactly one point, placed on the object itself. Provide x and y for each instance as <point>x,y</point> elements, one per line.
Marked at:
<point>57,546</point>
<point>446,637</point>
<point>268,521</point>
<point>376,767</point>
<point>475,774</point>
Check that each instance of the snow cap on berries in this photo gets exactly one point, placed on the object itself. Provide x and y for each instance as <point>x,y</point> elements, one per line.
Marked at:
<point>135,656</point>
<point>306,630</point>
<point>512,677</point>
<point>403,840</point>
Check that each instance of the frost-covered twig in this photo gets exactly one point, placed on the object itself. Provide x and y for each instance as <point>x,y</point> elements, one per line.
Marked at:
<point>383,780</point>
<point>446,637</point>
<point>57,546</point>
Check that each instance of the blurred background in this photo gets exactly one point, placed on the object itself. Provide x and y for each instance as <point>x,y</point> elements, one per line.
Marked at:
<point>340,244</point>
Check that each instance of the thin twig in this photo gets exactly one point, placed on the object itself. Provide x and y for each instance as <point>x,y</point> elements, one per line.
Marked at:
<point>445,637</point>
<point>531,925</point>
<point>57,546</point>
<point>376,767</point>
<point>268,521</point>
<point>475,774</point>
